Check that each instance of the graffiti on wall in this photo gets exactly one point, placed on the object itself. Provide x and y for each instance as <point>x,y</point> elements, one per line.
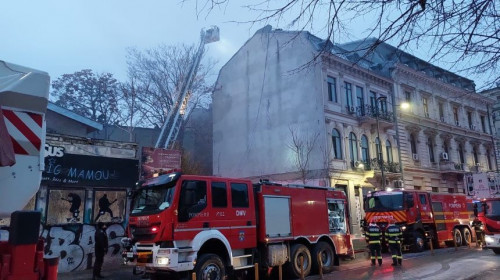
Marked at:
<point>74,245</point>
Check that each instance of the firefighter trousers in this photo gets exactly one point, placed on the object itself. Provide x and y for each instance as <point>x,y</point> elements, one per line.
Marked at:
<point>375,253</point>
<point>397,256</point>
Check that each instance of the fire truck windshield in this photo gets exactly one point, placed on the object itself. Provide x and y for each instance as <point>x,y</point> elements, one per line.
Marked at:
<point>155,194</point>
<point>152,200</point>
<point>384,202</point>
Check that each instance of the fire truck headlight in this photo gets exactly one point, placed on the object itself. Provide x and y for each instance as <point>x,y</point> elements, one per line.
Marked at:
<point>489,239</point>
<point>162,261</point>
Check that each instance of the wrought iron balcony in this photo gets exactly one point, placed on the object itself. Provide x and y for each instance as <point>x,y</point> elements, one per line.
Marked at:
<point>368,114</point>
<point>375,164</point>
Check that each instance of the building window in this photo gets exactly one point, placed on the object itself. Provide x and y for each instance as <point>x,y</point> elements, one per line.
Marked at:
<point>441,111</point>
<point>455,115</point>
<point>483,124</point>
<point>435,189</point>
<point>388,150</point>
<point>408,96</point>
<point>353,148</point>
<point>430,144</point>
<point>332,89</point>
<point>378,149</point>
<point>461,153</point>
<point>360,100</point>
<point>337,144</point>
<point>474,154</point>
<point>373,100</point>
<point>413,144</point>
<point>425,105</point>
<point>446,147</point>
<point>488,158</point>
<point>469,118</point>
<point>348,96</point>
<point>383,104</point>
<point>365,151</point>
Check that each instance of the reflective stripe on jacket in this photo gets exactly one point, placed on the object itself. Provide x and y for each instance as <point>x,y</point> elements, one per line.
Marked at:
<point>373,235</point>
<point>393,234</point>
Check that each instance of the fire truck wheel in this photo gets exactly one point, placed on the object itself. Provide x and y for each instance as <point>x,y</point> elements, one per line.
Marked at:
<point>327,257</point>
<point>293,266</point>
<point>209,266</point>
<point>418,242</point>
<point>467,236</point>
<point>496,251</point>
<point>457,236</point>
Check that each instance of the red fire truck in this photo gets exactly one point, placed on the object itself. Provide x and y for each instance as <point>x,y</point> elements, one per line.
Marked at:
<point>218,226</point>
<point>423,216</point>
<point>487,223</point>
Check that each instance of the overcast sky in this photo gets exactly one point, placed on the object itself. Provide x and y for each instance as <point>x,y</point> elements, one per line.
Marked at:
<point>65,36</point>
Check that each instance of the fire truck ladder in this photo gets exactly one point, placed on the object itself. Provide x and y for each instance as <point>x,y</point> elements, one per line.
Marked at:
<point>174,119</point>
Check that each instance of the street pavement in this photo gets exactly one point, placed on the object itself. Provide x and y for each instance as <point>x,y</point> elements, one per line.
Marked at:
<point>125,272</point>
<point>449,263</point>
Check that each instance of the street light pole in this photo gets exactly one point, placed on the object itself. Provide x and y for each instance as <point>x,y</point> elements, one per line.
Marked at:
<point>381,154</point>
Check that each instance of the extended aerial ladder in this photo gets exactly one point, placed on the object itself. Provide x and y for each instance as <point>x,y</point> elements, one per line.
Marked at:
<point>173,122</point>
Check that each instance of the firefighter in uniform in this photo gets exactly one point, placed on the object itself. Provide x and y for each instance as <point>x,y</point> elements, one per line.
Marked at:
<point>394,236</point>
<point>373,236</point>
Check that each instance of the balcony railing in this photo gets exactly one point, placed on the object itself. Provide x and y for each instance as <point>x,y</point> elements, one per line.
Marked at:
<point>374,164</point>
<point>371,111</point>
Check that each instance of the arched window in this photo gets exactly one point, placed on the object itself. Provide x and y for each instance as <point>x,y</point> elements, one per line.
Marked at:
<point>378,149</point>
<point>461,153</point>
<point>337,144</point>
<point>353,147</point>
<point>430,145</point>
<point>388,150</point>
<point>413,144</point>
<point>365,151</point>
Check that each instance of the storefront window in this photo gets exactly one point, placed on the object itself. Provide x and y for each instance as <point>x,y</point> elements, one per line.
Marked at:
<point>65,206</point>
<point>109,206</point>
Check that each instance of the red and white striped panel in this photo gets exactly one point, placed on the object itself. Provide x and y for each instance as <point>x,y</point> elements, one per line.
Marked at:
<point>25,131</point>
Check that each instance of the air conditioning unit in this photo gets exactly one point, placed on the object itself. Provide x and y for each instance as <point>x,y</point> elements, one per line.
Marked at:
<point>444,156</point>
<point>478,164</point>
<point>398,184</point>
<point>457,123</point>
<point>350,110</point>
<point>473,127</point>
<point>442,119</point>
<point>415,156</point>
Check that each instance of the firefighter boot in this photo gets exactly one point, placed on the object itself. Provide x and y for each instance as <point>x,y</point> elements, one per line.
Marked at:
<point>379,262</point>
<point>373,262</point>
<point>394,262</point>
<point>400,261</point>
